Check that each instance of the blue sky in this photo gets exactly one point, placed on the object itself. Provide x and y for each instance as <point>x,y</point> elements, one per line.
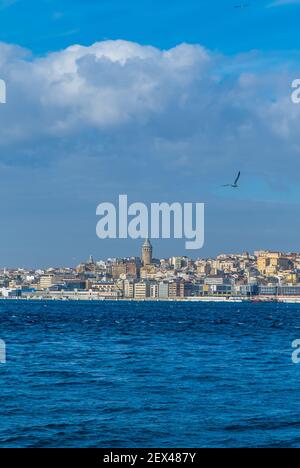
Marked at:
<point>44,25</point>
<point>171,100</point>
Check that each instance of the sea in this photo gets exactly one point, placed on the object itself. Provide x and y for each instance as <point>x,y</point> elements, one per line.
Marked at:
<point>149,374</point>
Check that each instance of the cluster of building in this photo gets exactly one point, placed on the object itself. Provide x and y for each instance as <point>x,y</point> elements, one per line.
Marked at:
<point>263,275</point>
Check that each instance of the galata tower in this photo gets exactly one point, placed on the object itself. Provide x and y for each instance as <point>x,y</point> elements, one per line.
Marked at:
<point>147,253</point>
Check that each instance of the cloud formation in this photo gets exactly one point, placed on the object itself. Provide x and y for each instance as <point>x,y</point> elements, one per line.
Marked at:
<point>186,104</point>
<point>84,124</point>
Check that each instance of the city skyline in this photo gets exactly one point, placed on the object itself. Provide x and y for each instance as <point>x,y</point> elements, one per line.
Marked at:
<point>263,275</point>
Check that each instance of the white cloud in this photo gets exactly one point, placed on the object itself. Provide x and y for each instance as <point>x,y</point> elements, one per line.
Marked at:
<point>108,83</point>
<point>116,100</point>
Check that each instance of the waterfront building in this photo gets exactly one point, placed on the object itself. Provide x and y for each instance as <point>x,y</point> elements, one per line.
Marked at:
<point>142,290</point>
<point>174,289</point>
<point>154,288</point>
<point>163,290</point>
<point>185,289</point>
<point>197,289</point>
<point>289,290</point>
<point>73,284</point>
<point>247,289</point>
<point>220,289</point>
<point>129,289</point>
<point>105,287</point>
<point>46,281</point>
<point>268,290</point>
<point>214,280</point>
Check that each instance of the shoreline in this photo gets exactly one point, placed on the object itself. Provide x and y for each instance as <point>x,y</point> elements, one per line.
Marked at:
<point>206,299</point>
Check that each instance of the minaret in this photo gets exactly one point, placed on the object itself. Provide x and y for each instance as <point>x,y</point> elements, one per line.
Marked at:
<point>90,260</point>
<point>147,253</point>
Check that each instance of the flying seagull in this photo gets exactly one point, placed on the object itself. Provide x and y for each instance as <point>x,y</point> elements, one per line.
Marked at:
<point>234,185</point>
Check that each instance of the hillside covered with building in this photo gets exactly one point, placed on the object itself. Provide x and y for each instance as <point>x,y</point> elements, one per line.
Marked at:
<point>263,274</point>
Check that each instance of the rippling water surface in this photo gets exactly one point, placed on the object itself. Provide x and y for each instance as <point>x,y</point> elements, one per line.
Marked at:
<point>149,375</point>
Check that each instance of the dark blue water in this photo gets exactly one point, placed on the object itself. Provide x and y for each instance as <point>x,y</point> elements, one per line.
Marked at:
<point>148,374</point>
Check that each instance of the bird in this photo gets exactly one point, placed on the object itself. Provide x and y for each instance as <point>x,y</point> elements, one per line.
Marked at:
<point>235,183</point>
